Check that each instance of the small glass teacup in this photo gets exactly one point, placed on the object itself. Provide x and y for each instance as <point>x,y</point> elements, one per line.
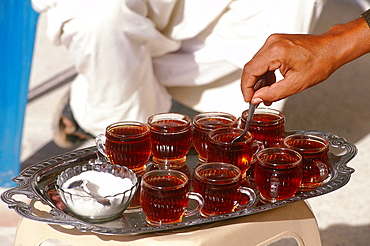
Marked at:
<point>220,185</point>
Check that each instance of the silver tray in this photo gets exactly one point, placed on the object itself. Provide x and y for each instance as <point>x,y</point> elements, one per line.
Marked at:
<point>37,183</point>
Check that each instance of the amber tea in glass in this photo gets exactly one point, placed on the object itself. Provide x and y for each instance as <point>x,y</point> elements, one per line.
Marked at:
<point>165,196</point>
<point>220,185</point>
<point>203,124</point>
<point>278,173</point>
<point>171,137</point>
<point>267,126</point>
<point>126,143</point>
<point>315,160</point>
<point>220,148</point>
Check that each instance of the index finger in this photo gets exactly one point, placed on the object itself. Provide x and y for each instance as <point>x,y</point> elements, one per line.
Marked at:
<point>248,81</point>
<point>249,78</point>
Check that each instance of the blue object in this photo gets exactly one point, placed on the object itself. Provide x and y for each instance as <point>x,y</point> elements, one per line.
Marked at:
<point>18,23</point>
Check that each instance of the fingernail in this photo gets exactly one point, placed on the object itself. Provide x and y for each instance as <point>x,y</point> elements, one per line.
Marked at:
<point>257,100</point>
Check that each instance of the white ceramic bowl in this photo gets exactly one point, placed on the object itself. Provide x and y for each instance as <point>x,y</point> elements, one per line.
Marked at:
<point>116,184</point>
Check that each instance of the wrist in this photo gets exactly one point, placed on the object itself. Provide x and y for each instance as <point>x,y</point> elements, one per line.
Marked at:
<point>348,41</point>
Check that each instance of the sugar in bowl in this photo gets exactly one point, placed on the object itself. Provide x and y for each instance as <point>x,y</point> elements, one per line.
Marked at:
<point>97,192</point>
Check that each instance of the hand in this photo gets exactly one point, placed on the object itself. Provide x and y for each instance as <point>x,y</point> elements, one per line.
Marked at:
<point>303,60</point>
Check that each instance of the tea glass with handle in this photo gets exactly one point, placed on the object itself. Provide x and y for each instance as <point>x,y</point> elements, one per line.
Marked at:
<point>126,143</point>
<point>203,124</point>
<point>220,185</point>
<point>165,195</point>
<point>267,126</point>
<point>240,154</point>
<point>315,160</point>
<point>171,137</point>
<point>278,173</point>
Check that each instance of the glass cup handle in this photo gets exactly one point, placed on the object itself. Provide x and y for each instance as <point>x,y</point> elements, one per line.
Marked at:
<point>251,194</point>
<point>200,201</point>
<point>257,146</point>
<point>323,169</point>
<point>274,186</point>
<point>100,144</point>
<point>239,123</point>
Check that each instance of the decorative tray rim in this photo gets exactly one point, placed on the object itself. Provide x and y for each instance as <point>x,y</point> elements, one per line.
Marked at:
<point>28,185</point>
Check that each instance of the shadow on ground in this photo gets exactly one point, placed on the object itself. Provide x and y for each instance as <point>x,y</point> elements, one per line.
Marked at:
<point>341,105</point>
<point>345,235</point>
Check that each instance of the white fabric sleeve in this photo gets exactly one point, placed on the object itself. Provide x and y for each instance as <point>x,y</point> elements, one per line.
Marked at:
<point>42,5</point>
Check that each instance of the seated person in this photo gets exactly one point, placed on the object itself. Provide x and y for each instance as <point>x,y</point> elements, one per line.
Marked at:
<point>131,54</point>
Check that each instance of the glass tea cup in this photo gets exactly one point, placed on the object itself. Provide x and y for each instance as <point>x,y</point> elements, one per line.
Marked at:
<point>220,186</point>
<point>315,160</point>
<point>267,126</point>
<point>171,137</point>
<point>126,143</point>
<point>220,148</point>
<point>165,197</point>
<point>277,173</point>
<point>204,123</point>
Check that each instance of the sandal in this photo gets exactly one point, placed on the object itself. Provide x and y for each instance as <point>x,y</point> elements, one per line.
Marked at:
<point>67,133</point>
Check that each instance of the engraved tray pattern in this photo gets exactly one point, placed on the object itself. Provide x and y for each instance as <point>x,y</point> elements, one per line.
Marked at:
<point>36,180</point>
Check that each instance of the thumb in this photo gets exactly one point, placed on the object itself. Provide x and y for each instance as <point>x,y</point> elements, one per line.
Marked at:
<point>275,92</point>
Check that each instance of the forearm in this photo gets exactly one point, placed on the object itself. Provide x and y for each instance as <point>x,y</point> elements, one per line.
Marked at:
<point>348,41</point>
